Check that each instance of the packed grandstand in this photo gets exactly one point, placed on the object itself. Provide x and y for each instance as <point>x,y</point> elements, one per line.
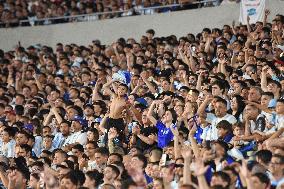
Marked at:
<point>46,12</point>
<point>196,112</point>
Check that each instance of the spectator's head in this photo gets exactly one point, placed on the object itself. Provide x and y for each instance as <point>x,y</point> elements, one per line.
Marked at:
<point>192,95</point>
<point>266,97</point>
<point>280,107</point>
<point>93,179</point>
<point>220,178</point>
<point>260,181</point>
<point>224,128</point>
<point>19,99</point>
<point>239,129</point>
<point>139,160</point>
<point>220,148</point>
<point>92,134</point>
<point>47,142</point>
<point>8,134</point>
<point>90,148</point>
<point>65,128</point>
<point>111,172</point>
<point>24,151</point>
<point>122,90</point>
<point>114,157</point>
<point>21,175</point>
<point>263,157</point>
<point>277,165</point>
<point>237,105</point>
<point>46,131</point>
<point>150,34</point>
<point>70,181</point>
<point>155,154</point>
<point>254,94</point>
<point>59,156</point>
<point>65,167</point>
<point>88,110</point>
<point>170,116</point>
<point>251,112</point>
<point>101,156</point>
<point>34,179</point>
<point>220,107</point>
<point>22,137</point>
<point>274,87</point>
<point>78,150</point>
<point>78,123</point>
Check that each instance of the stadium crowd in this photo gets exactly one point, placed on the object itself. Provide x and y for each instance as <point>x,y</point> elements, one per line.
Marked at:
<point>204,111</point>
<point>35,12</point>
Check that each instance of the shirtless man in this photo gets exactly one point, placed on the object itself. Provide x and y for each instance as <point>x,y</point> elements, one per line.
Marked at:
<point>117,106</point>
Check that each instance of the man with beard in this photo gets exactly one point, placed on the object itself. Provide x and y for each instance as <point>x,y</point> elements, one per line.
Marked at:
<point>214,118</point>
<point>89,112</point>
<point>61,137</point>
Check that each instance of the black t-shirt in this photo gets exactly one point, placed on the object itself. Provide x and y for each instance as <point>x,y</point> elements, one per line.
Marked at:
<point>146,132</point>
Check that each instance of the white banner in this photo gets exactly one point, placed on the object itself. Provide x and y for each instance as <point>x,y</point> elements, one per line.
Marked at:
<point>252,8</point>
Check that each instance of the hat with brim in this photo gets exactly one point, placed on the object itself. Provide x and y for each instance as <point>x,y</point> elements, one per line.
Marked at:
<point>81,120</point>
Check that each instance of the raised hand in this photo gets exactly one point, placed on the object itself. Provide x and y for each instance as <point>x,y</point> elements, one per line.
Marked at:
<point>200,169</point>
<point>186,152</point>
<point>248,18</point>
<point>267,12</point>
<point>174,131</point>
<point>136,130</point>
<point>193,130</point>
<point>153,137</point>
<point>12,176</point>
<point>209,98</point>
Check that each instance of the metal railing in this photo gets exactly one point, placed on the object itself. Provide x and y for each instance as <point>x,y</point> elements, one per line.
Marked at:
<point>111,14</point>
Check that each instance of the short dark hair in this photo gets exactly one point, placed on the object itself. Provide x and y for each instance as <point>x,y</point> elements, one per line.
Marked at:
<point>270,94</point>
<point>264,155</point>
<point>224,124</point>
<point>224,176</point>
<point>102,150</point>
<point>19,109</point>
<point>114,169</point>
<point>142,158</point>
<point>61,152</point>
<point>151,31</point>
<point>11,131</point>
<point>78,147</point>
<point>72,176</point>
<point>174,115</point>
<point>223,101</point>
<point>262,177</point>
<point>95,175</point>
<point>27,148</point>
<point>220,84</point>
<point>280,101</point>
<point>117,155</point>
<point>123,85</point>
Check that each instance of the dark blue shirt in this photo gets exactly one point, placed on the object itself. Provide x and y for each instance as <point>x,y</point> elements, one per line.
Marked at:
<point>228,138</point>
<point>198,134</point>
<point>165,135</point>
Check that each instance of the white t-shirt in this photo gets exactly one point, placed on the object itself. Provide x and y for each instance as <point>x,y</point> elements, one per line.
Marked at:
<point>8,149</point>
<point>211,132</point>
<point>279,122</point>
<point>79,137</point>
